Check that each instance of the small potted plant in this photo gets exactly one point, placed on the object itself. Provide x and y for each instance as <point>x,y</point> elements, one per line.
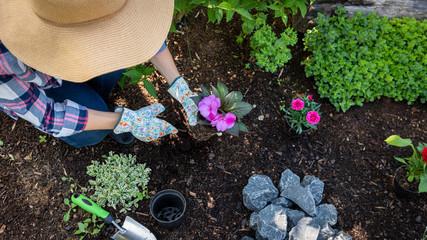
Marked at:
<point>219,111</point>
<point>303,114</point>
<point>411,178</point>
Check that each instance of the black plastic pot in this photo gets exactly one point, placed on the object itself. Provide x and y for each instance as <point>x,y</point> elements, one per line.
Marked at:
<point>398,188</point>
<point>168,208</point>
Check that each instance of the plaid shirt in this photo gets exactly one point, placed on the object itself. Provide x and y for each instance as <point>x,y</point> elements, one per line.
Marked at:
<point>22,95</point>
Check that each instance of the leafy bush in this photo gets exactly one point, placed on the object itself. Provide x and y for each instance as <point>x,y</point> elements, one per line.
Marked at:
<point>365,57</point>
<point>270,51</point>
<point>119,181</point>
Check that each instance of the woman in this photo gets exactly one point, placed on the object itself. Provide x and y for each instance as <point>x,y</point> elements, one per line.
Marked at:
<point>60,60</point>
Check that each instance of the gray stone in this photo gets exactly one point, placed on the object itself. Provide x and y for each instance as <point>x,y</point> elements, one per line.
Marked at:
<point>326,232</point>
<point>272,224</point>
<point>259,237</point>
<point>306,229</point>
<point>253,220</point>
<point>301,197</point>
<point>247,238</point>
<point>342,236</point>
<point>315,186</point>
<point>294,216</point>
<point>287,179</point>
<point>259,191</point>
<point>282,201</point>
<point>326,213</point>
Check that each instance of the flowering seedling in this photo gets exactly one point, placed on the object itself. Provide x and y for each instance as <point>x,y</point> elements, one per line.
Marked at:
<point>222,109</point>
<point>416,164</point>
<point>303,114</point>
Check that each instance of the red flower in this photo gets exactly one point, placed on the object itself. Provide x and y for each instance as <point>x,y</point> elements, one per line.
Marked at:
<point>425,154</point>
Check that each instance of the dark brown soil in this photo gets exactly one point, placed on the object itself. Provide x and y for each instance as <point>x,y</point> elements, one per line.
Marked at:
<point>347,152</point>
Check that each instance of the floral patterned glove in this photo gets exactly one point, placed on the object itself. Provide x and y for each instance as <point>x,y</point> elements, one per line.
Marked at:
<point>181,92</point>
<point>143,123</point>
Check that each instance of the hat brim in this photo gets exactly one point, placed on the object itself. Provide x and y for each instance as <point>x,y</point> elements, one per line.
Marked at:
<point>82,51</point>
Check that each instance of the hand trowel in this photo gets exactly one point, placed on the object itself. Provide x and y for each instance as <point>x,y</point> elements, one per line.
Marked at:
<point>131,229</point>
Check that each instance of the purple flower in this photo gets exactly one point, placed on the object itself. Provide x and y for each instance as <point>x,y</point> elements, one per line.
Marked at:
<point>208,107</point>
<point>223,123</point>
<point>297,104</point>
<point>313,117</point>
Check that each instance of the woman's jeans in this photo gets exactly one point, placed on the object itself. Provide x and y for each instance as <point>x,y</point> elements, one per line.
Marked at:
<point>90,94</point>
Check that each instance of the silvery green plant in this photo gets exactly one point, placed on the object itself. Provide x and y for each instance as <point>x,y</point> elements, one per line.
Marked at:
<point>119,181</point>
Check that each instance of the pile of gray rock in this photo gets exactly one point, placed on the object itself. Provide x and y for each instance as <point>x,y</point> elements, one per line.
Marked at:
<point>292,211</point>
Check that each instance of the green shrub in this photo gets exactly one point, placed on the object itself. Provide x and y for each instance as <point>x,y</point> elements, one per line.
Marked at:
<point>119,181</point>
<point>365,57</point>
<point>272,52</point>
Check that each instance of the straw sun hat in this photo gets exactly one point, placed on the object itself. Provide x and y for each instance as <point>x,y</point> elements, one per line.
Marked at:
<point>77,40</point>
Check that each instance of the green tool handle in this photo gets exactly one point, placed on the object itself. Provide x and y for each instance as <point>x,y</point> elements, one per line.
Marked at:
<point>92,207</point>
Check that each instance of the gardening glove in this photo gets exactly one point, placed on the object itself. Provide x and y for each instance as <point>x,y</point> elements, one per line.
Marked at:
<point>143,123</point>
<point>181,92</point>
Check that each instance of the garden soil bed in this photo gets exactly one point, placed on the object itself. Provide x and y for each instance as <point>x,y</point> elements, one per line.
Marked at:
<point>347,152</point>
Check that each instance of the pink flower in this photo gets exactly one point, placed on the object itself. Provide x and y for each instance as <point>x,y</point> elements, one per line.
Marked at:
<point>310,97</point>
<point>223,123</point>
<point>313,117</point>
<point>424,153</point>
<point>297,104</point>
<point>208,107</point>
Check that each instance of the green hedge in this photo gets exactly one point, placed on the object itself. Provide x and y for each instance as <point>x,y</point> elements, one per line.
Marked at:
<point>365,57</point>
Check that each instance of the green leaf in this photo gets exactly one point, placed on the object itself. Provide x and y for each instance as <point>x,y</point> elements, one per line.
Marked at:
<point>218,14</point>
<point>134,75</point>
<point>66,200</point>
<point>234,130</point>
<point>66,217</point>
<point>289,3</point>
<point>222,90</point>
<point>240,109</point>
<point>225,6</point>
<point>211,15</point>
<point>216,92</point>
<point>231,98</point>
<point>205,91</point>
<point>244,13</point>
<point>197,99</point>
<point>397,141</point>
<point>423,184</point>
<point>229,15</point>
<point>180,5</point>
<point>302,7</point>
<point>147,71</point>
<point>400,160</point>
<point>82,227</point>
<point>172,29</point>
<point>274,7</point>
<point>242,127</point>
<point>150,88</point>
<point>77,232</point>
